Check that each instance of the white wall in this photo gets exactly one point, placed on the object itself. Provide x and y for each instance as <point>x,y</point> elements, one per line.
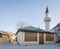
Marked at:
<point>21,38</point>
<point>47,42</point>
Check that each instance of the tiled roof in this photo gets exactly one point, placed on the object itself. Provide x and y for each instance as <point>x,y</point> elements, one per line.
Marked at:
<point>54,29</point>
<point>58,25</point>
<point>33,29</point>
<point>6,33</point>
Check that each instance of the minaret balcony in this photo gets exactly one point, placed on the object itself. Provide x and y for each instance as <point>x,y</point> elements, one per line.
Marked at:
<point>47,19</point>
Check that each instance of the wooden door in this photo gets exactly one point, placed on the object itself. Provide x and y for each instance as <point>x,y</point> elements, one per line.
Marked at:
<point>41,38</point>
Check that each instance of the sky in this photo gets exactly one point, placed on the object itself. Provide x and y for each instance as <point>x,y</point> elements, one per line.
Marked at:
<point>31,12</point>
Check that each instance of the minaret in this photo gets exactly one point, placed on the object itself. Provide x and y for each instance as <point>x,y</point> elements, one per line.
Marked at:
<point>47,20</point>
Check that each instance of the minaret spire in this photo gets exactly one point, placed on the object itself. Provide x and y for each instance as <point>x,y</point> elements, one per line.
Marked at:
<point>47,19</point>
<point>47,11</point>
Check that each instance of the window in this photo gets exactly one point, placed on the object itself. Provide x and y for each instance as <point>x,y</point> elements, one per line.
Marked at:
<point>49,37</point>
<point>30,36</point>
<point>58,29</point>
<point>0,35</point>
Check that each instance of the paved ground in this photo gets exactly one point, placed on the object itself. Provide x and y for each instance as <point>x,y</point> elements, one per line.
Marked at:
<point>57,44</point>
<point>16,46</point>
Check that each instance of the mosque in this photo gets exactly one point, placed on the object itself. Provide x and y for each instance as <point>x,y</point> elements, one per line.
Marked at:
<point>31,35</point>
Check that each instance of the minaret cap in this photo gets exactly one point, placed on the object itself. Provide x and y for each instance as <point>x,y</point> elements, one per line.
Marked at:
<point>47,11</point>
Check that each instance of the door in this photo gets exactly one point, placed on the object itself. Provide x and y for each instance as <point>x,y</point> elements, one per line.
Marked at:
<point>41,38</point>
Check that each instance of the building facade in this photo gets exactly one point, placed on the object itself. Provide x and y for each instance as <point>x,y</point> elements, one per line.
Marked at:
<point>4,38</point>
<point>7,37</point>
<point>56,29</point>
<point>33,36</point>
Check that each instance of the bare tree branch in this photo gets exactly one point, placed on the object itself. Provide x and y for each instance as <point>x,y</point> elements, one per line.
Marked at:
<point>22,24</point>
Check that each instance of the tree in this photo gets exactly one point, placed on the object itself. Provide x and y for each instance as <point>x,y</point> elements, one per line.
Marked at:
<point>21,25</point>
